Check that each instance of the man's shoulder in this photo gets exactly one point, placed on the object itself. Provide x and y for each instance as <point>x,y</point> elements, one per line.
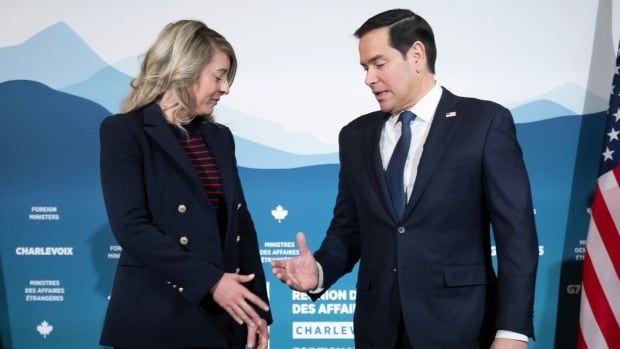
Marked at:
<point>483,105</point>
<point>470,102</point>
<point>367,120</point>
<point>477,105</point>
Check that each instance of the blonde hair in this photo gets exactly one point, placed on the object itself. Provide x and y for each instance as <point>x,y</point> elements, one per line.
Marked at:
<point>174,63</point>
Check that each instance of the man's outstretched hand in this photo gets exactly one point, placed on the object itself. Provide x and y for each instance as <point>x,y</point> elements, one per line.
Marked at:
<point>300,273</point>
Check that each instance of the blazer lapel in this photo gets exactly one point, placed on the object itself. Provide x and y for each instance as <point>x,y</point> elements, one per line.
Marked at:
<point>158,129</point>
<point>221,147</point>
<point>442,130</point>
<point>374,165</point>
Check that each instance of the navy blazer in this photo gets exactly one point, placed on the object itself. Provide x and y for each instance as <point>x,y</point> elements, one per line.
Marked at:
<point>172,255</point>
<point>435,263</point>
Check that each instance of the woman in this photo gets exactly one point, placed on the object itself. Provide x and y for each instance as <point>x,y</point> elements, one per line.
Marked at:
<point>190,275</point>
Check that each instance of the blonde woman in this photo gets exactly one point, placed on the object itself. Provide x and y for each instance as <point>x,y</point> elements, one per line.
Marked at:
<point>190,275</point>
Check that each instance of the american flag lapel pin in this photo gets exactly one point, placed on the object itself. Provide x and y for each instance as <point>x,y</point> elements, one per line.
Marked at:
<point>451,114</point>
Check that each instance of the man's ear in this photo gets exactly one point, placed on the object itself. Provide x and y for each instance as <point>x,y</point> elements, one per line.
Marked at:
<point>417,54</point>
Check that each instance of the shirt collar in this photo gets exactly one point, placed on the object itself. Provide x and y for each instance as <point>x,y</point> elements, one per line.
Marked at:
<point>425,108</point>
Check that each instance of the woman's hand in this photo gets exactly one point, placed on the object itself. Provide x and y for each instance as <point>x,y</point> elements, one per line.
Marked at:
<point>236,299</point>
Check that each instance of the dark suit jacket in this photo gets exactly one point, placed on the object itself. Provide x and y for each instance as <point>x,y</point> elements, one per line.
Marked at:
<point>172,255</point>
<point>435,263</point>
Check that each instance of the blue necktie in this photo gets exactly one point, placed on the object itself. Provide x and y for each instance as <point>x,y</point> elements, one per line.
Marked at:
<point>396,167</point>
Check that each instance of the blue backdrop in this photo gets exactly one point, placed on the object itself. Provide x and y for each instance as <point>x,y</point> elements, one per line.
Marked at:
<point>58,254</point>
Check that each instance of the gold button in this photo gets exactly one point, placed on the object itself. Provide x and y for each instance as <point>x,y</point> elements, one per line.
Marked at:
<point>237,270</point>
<point>184,240</point>
<point>238,238</point>
<point>174,286</point>
<point>180,289</point>
<point>182,208</point>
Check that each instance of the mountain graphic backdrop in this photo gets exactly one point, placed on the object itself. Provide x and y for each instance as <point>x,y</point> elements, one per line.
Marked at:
<point>53,145</point>
<point>53,102</point>
<point>56,56</point>
<point>76,69</point>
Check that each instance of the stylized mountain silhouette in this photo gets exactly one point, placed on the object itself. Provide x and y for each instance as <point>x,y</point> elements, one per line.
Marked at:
<point>53,118</point>
<point>262,131</point>
<point>108,87</point>
<point>254,155</point>
<point>129,66</point>
<point>570,96</point>
<point>538,110</point>
<point>49,135</point>
<point>59,58</point>
<point>56,56</point>
<point>56,130</point>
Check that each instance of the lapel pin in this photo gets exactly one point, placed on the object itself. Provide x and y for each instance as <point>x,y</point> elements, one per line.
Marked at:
<point>451,114</point>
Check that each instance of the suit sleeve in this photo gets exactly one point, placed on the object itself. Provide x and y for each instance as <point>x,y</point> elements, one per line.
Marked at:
<point>126,201</point>
<point>248,254</point>
<point>340,249</point>
<point>508,196</point>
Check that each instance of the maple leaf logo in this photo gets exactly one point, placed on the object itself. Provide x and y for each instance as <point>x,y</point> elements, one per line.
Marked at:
<point>45,329</point>
<point>279,213</point>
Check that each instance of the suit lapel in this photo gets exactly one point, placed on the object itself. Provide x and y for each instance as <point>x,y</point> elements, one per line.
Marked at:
<point>158,129</point>
<point>221,147</point>
<point>442,130</point>
<point>218,144</point>
<point>374,165</point>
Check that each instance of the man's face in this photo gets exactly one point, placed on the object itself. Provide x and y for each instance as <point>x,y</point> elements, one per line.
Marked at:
<point>391,77</point>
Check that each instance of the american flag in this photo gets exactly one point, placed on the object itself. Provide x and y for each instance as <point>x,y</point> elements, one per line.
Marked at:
<point>599,318</point>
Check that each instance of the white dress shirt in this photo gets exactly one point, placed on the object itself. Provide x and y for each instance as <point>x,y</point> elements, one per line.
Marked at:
<point>425,112</point>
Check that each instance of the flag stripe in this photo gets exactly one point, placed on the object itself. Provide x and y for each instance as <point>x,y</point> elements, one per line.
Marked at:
<point>601,263</point>
<point>581,344</point>
<point>616,172</point>
<point>611,193</point>
<point>592,336</point>
<point>607,228</point>
<point>600,306</point>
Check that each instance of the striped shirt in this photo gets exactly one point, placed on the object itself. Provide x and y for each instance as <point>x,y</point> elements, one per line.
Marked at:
<point>203,161</point>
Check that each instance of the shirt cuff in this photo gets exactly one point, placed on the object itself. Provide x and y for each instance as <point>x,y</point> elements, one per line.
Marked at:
<point>511,335</point>
<point>319,285</point>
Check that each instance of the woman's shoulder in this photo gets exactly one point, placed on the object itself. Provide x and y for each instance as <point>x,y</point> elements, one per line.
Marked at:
<point>131,119</point>
<point>123,125</point>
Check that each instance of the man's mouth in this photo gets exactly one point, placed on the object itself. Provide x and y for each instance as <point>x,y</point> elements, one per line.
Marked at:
<point>380,94</point>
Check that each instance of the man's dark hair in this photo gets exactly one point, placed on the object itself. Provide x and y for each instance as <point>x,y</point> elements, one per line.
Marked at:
<point>405,28</point>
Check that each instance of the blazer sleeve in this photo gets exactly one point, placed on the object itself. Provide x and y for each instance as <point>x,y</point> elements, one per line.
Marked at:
<point>126,201</point>
<point>340,249</point>
<point>508,196</point>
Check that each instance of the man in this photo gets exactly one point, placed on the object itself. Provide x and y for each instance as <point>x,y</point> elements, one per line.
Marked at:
<point>420,182</point>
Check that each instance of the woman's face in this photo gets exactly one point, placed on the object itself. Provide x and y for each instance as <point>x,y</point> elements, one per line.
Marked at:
<point>212,83</point>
